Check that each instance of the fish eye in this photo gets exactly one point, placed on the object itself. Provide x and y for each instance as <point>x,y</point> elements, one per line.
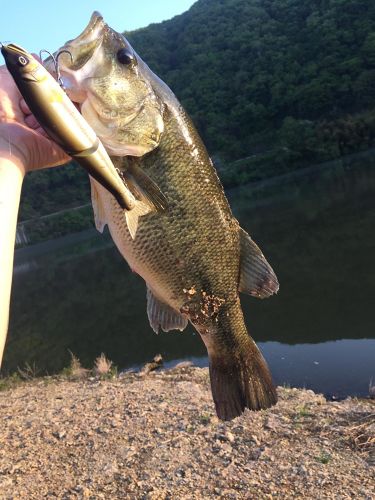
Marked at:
<point>22,61</point>
<point>125,56</point>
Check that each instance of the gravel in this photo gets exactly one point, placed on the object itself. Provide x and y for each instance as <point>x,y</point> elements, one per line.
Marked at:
<point>155,436</point>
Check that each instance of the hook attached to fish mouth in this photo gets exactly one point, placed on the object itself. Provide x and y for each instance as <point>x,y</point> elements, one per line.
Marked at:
<point>55,59</point>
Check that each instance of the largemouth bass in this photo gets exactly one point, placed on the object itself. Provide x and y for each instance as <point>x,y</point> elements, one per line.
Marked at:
<point>59,117</point>
<point>194,258</point>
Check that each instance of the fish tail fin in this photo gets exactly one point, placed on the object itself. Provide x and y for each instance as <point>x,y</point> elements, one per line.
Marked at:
<point>240,382</point>
<point>240,377</point>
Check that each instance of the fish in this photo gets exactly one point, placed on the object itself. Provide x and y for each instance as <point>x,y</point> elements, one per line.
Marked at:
<point>194,257</point>
<point>60,118</point>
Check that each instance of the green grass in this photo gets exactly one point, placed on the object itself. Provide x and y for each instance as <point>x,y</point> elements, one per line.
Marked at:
<point>324,457</point>
<point>204,418</point>
<point>10,382</point>
<point>302,412</point>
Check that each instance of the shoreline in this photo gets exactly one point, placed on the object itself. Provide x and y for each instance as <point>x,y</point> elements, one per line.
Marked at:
<point>155,435</point>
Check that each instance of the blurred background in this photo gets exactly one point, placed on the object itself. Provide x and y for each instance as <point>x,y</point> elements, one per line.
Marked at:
<point>282,93</point>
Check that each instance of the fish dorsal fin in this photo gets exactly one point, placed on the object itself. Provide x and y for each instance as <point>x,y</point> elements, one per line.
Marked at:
<point>97,206</point>
<point>162,315</point>
<point>144,188</point>
<point>133,215</point>
<point>257,277</point>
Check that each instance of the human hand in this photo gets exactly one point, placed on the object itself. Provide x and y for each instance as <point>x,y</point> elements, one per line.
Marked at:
<point>22,140</point>
<point>24,146</point>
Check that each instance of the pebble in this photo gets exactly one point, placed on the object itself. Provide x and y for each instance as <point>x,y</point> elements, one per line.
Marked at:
<point>156,437</point>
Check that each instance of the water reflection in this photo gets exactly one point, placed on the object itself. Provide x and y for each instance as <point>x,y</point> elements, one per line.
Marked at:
<point>316,228</point>
<point>335,368</point>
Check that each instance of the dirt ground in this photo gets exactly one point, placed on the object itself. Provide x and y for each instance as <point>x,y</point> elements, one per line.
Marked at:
<point>155,436</point>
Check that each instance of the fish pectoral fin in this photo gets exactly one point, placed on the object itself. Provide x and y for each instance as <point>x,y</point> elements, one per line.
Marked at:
<point>147,193</point>
<point>257,277</point>
<point>97,206</point>
<point>162,315</point>
<point>132,216</point>
<point>145,189</point>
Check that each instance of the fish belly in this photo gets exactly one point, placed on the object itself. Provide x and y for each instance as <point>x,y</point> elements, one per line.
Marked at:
<point>138,251</point>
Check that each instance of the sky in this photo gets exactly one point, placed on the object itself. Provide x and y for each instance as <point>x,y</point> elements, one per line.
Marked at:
<point>37,24</point>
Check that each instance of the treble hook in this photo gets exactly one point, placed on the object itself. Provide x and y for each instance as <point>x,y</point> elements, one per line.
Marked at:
<point>49,53</point>
<point>57,64</point>
<point>55,60</point>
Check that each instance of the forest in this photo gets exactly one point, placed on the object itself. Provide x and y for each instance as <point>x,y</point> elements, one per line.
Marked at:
<point>271,85</point>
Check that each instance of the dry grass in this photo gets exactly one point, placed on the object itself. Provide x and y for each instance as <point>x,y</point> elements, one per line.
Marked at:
<point>103,366</point>
<point>75,371</point>
<point>29,372</point>
<point>362,436</point>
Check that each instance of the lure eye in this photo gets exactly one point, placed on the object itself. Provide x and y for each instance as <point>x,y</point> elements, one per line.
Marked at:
<point>22,61</point>
<point>124,56</point>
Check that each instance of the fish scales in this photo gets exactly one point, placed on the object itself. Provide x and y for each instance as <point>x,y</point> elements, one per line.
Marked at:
<point>196,237</point>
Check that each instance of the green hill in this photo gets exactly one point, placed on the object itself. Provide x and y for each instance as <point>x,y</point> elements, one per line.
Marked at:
<point>291,76</point>
<point>272,85</point>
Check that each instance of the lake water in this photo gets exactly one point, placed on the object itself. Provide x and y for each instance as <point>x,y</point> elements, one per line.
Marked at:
<point>316,227</point>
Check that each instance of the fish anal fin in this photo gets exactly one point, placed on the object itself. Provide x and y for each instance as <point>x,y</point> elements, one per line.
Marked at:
<point>97,206</point>
<point>162,315</point>
<point>257,277</point>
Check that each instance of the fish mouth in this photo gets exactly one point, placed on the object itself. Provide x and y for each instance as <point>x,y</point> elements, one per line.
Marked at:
<point>76,53</point>
<point>84,44</point>
<point>92,30</point>
<point>76,58</point>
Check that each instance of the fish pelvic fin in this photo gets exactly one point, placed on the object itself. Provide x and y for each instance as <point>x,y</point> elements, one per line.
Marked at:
<point>162,316</point>
<point>257,277</point>
<point>240,377</point>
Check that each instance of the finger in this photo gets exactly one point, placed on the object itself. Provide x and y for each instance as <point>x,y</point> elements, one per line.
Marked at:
<point>24,107</point>
<point>31,121</point>
<point>9,97</point>
<point>41,131</point>
<point>36,56</point>
<point>56,156</point>
<point>49,153</point>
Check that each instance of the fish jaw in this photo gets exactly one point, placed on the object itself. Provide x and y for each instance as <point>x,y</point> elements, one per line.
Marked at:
<point>83,48</point>
<point>92,30</point>
<point>74,55</point>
